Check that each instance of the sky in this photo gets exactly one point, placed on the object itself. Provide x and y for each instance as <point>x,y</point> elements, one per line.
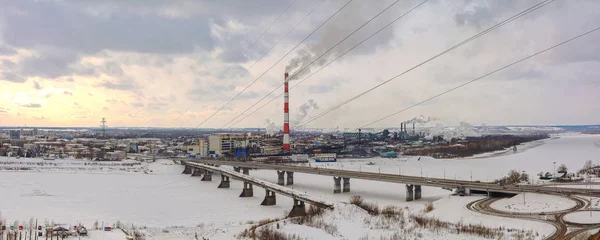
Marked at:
<point>178,63</point>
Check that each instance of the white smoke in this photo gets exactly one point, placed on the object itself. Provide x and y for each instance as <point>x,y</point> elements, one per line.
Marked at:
<point>462,131</point>
<point>270,126</point>
<point>303,111</point>
<point>344,23</point>
<point>422,120</point>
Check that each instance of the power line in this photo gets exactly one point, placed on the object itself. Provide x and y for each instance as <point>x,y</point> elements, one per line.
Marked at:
<point>319,27</point>
<point>483,76</point>
<point>243,54</point>
<point>338,57</point>
<point>277,43</point>
<point>326,52</point>
<point>523,13</point>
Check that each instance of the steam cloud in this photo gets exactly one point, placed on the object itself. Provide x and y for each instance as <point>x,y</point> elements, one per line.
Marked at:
<point>348,20</point>
<point>422,120</point>
<point>270,126</point>
<point>462,131</point>
<point>304,109</point>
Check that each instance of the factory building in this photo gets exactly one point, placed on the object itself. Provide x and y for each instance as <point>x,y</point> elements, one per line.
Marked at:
<point>220,144</point>
<point>199,149</point>
<point>15,134</point>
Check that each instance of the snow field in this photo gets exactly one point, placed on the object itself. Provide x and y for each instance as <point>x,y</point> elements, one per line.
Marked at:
<point>183,205</point>
<point>533,203</point>
<point>583,217</point>
<point>352,223</point>
<point>453,209</point>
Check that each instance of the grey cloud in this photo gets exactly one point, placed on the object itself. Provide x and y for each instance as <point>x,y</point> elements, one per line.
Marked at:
<point>113,69</point>
<point>48,64</point>
<point>324,87</point>
<point>7,51</point>
<point>105,108</point>
<point>8,64</point>
<point>11,77</point>
<point>36,85</point>
<point>137,104</point>
<point>67,93</point>
<point>69,25</point>
<point>3,110</point>
<point>31,105</point>
<point>125,85</point>
<point>211,85</point>
<point>479,13</point>
<point>112,101</point>
<point>90,94</point>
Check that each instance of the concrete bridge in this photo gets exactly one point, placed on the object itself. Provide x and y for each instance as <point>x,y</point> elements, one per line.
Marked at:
<point>206,172</point>
<point>341,180</point>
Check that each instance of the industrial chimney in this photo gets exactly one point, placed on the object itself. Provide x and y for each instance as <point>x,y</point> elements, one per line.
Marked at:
<point>286,114</point>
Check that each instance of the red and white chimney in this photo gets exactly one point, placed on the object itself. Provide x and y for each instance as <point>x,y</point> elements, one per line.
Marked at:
<point>286,115</point>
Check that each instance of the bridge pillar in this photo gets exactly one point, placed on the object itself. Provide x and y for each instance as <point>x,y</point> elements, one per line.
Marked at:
<point>237,169</point>
<point>269,198</point>
<point>337,188</point>
<point>409,192</point>
<point>280,178</point>
<point>246,171</point>
<point>290,178</point>
<point>247,191</point>
<point>417,192</point>
<point>187,170</point>
<point>224,182</point>
<point>197,172</point>
<point>298,210</point>
<point>207,176</point>
<point>346,182</point>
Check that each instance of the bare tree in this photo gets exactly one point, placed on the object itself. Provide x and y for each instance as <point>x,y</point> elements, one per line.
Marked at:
<point>587,167</point>
<point>562,168</point>
<point>513,177</point>
<point>524,177</point>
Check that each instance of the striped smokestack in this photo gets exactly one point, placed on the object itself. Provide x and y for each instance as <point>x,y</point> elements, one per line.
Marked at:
<point>286,115</point>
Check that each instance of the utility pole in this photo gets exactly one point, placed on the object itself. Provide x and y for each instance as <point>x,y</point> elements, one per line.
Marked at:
<point>103,126</point>
<point>523,191</point>
<point>554,173</point>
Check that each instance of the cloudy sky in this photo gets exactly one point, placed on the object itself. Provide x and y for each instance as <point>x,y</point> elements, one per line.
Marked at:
<point>175,63</point>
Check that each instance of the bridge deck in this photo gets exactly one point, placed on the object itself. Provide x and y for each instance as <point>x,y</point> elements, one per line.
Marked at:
<point>405,179</point>
<point>266,185</point>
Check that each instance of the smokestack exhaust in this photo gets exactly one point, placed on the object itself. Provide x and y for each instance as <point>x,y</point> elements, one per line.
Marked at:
<point>286,114</point>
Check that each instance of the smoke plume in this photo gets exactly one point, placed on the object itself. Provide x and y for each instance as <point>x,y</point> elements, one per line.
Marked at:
<point>304,109</point>
<point>422,120</point>
<point>462,131</point>
<point>269,126</point>
<point>344,23</point>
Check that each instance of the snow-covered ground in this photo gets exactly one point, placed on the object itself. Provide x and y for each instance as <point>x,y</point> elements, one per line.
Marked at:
<point>13,164</point>
<point>106,235</point>
<point>584,217</point>
<point>350,222</point>
<point>533,203</point>
<point>453,209</point>
<point>166,200</point>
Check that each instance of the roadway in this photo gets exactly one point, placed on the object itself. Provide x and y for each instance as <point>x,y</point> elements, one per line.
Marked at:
<point>405,179</point>
<point>265,185</point>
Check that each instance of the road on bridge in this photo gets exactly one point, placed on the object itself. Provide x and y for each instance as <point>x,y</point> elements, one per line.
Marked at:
<point>396,178</point>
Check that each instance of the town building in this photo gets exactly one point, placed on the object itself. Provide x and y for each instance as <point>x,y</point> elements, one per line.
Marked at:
<point>198,149</point>
<point>219,144</point>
